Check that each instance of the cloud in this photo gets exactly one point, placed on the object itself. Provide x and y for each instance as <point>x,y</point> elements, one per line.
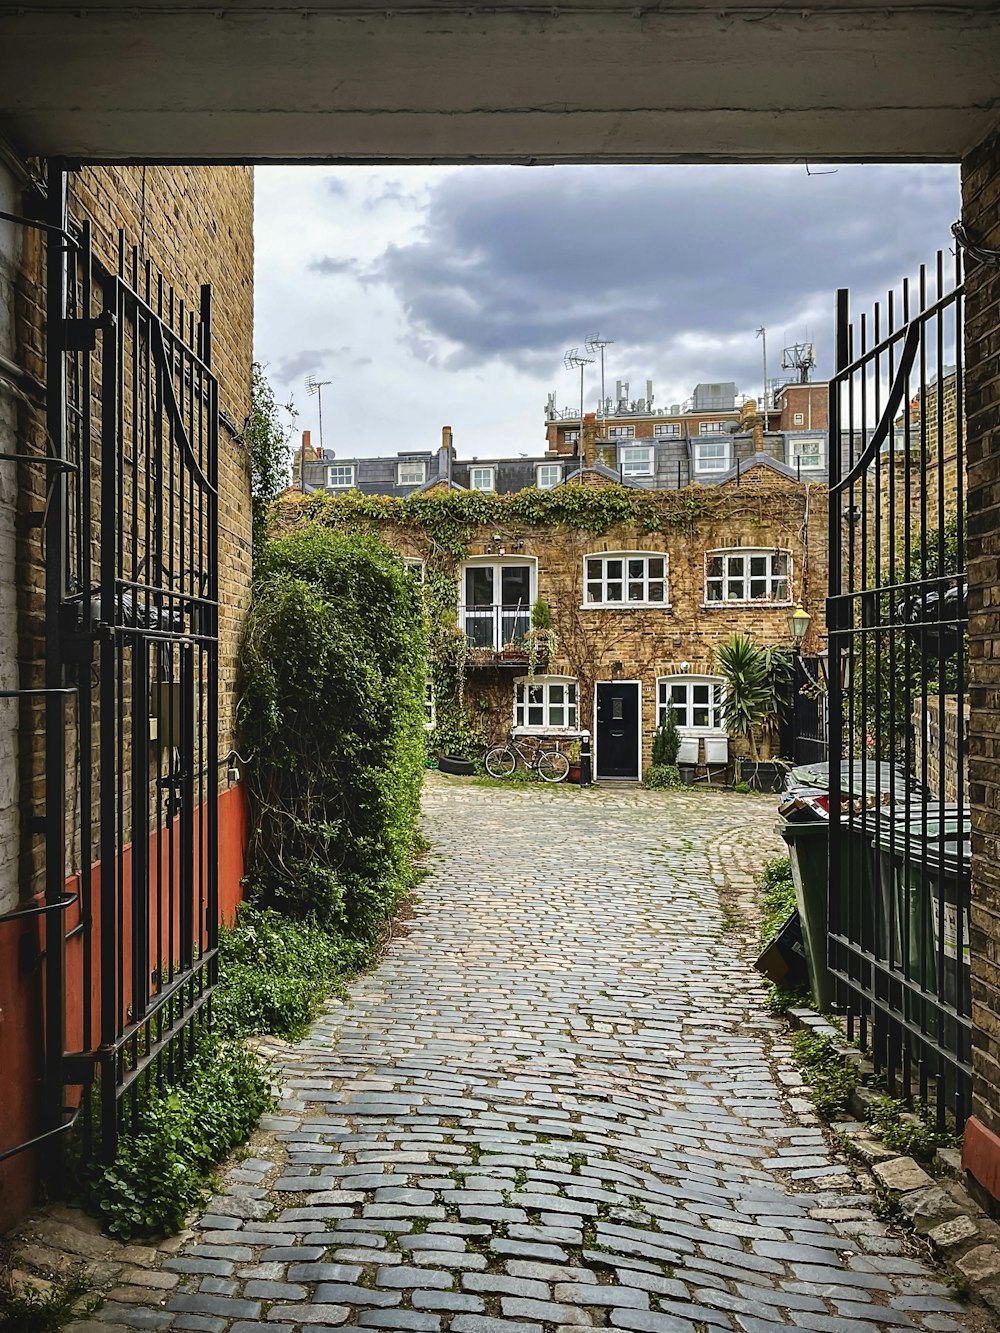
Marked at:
<point>678,265</point>
<point>300,364</point>
<point>333,266</point>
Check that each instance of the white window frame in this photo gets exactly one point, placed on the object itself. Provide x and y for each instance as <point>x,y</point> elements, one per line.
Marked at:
<point>715,464</point>
<point>571,437</point>
<point>625,604</point>
<point>621,432</point>
<point>668,430</point>
<point>746,554</point>
<point>490,472</point>
<point>798,418</point>
<point>555,468</point>
<point>339,485</point>
<point>416,566</point>
<point>402,480</point>
<point>636,466</point>
<point>816,462</point>
<point>712,427</point>
<point>525,685</point>
<point>664,686</point>
<point>501,621</point>
<point>430,706</point>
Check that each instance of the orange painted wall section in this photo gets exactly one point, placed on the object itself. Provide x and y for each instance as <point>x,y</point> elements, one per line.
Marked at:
<point>21,983</point>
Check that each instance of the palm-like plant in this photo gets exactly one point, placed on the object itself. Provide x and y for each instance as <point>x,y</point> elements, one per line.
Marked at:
<point>748,703</point>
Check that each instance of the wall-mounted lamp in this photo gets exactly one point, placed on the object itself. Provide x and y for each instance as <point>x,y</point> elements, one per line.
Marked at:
<point>853,515</point>
<point>798,624</point>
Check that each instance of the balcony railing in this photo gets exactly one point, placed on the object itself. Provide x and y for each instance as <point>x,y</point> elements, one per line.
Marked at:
<point>494,627</point>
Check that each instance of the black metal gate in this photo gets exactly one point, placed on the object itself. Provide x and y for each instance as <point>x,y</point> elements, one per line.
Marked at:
<point>131,661</point>
<point>899,845</point>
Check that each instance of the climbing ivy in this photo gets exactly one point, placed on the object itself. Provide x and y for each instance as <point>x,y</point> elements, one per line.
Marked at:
<point>332,672</point>
<point>265,439</point>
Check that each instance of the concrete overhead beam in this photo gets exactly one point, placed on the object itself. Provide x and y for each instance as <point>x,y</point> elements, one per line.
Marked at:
<point>593,82</point>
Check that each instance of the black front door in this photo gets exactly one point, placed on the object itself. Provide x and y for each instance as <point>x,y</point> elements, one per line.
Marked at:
<point>618,729</point>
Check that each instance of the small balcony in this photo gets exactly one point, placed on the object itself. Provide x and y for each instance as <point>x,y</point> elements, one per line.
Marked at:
<point>499,635</point>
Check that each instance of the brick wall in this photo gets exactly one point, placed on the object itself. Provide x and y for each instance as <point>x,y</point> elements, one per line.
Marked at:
<point>981,213</point>
<point>195,225</point>
<point>765,510</point>
<point>927,733</point>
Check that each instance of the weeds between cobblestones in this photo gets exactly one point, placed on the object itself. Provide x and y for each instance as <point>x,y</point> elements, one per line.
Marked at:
<point>559,1102</point>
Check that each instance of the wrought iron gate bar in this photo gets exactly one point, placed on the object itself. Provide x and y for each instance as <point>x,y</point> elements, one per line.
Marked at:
<point>899,857</point>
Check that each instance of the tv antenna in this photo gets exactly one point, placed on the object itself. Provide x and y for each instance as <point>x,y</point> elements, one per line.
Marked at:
<point>571,360</point>
<point>595,343</point>
<point>800,357</point>
<point>315,386</point>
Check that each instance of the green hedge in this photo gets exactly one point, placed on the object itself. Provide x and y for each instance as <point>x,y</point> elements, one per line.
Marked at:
<point>332,673</point>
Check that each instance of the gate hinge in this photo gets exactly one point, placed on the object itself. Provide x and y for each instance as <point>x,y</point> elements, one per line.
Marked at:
<point>80,335</point>
<point>78,1067</point>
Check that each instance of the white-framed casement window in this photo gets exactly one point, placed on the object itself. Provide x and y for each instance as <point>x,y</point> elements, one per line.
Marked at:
<point>798,418</point>
<point>416,567</point>
<point>482,479</point>
<point>430,710</point>
<point>411,472</point>
<point>571,437</point>
<point>631,578</point>
<point>711,455</point>
<point>543,703</point>
<point>340,476</point>
<point>637,460</point>
<point>548,475</point>
<point>696,701</point>
<point>807,451</point>
<point>621,432</point>
<point>497,597</point>
<point>667,430</point>
<point>746,575</point>
<point>711,427</point>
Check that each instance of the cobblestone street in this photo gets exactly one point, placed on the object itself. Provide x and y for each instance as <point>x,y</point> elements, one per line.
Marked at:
<point>558,1102</point>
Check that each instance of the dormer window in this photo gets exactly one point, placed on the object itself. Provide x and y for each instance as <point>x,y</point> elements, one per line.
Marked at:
<point>340,476</point>
<point>411,472</point>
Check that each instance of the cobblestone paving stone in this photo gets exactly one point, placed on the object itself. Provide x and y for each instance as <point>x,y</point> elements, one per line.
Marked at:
<point>557,1103</point>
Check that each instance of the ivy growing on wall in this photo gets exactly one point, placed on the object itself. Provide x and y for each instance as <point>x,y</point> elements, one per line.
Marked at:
<point>332,673</point>
<point>265,439</point>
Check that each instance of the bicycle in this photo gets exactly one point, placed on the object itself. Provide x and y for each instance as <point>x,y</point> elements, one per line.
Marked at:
<point>550,765</point>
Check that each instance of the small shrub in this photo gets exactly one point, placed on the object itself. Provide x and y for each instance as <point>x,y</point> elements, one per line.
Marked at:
<point>666,740</point>
<point>541,615</point>
<point>743,788</point>
<point>830,1078</point>
<point>777,897</point>
<point>897,1130</point>
<point>27,1310</point>
<point>661,777</point>
<point>275,972</point>
<point>160,1170</point>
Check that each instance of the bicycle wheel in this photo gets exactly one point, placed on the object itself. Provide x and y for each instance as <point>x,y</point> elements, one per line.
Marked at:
<point>500,761</point>
<point>552,766</point>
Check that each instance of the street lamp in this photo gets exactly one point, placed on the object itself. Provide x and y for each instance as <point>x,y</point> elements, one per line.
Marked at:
<point>571,360</point>
<point>798,624</point>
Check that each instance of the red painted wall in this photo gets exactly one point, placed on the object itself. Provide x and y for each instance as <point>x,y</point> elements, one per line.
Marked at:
<point>21,980</point>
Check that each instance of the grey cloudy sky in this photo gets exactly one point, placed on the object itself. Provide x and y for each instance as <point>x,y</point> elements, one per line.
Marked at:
<point>432,296</point>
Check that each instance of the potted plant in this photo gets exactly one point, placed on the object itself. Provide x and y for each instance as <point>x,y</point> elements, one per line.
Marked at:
<point>572,753</point>
<point>751,706</point>
<point>663,771</point>
<point>540,640</point>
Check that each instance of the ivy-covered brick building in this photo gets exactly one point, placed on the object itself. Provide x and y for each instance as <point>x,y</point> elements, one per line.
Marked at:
<point>643,586</point>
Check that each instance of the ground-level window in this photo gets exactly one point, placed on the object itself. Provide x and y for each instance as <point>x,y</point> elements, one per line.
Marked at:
<point>340,476</point>
<point>746,575</point>
<point>696,701</point>
<point>545,702</point>
<point>430,712</point>
<point>629,579</point>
